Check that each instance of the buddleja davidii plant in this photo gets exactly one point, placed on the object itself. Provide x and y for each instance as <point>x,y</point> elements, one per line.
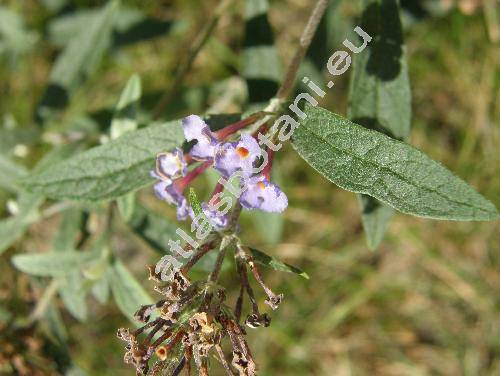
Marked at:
<point>194,317</point>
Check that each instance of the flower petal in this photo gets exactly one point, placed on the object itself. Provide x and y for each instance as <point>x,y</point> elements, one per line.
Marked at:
<point>171,165</point>
<point>237,156</point>
<point>261,194</point>
<point>196,129</point>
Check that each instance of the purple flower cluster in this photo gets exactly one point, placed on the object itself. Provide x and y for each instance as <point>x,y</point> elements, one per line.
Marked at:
<point>228,158</point>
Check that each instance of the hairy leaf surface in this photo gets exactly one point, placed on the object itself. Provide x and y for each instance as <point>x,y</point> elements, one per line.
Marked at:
<point>380,96</point>
<point>369,162</point>
<point>110,170</point>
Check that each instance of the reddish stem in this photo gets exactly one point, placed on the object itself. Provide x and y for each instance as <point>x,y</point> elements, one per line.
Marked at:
<point>267,169</point>
<point>233,128</point>
<point>193,174</point>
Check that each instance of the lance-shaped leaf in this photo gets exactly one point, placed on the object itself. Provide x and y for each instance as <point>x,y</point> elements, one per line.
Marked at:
<point>271,262</point>
<point>125,120</point>
<point>53,264</point>
<point>110,170</point>
<point>71,286</point>
<point>78,60</point>
<point>261,66</point>
<point>366,161</point>
<point>380,96</point>
<point>125,117</point>
<point>127,291</point>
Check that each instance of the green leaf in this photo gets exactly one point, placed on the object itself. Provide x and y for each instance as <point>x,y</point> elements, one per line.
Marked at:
<point>73,294</point>
<point>100,289</point>
<point>125,120</point>
<point>53,264</point>
<point>71,286</point>
<point>10,173</point>
<point>79,59</point>
<point>127,291</point>
<point>369,162</point>
<point>14,37</point>
<point>380,96</point>
<point>14,227</point>
<point>125,117</point>
<point>66,236</point>
<point>266,260</point>
<point>110,170</point>
<point>153,228</point>
<point>260,63</point>
<point>61,30</point>
<point>194,202</point>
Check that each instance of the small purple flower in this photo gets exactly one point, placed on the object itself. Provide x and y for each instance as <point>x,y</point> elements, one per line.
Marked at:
<point>237,156</point>
<point>196,129</point>
<point>170,165</point>
<point>171,194</point>
<point>261,194</point>
<point>217,219</point>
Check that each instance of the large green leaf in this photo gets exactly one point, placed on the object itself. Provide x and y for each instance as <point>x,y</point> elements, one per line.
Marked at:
<point>79,59</point>
<point>53,264</point>
<point>127,291</point>
<point>110,170</point>
<point>366,161</point>
<point>380,96</point>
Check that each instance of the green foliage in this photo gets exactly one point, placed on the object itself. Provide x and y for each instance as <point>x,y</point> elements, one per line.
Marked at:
<point>260,63</point>
<point>125,117</point>
<point>79,59</point>
<point>366,161</point>
<point>110,170</point>
<point>152,228</point>
<point>380,96</point>
<point>15,39</point>
<point>10,173</point>
<point>13,228</point>
<point>125,120</point>
<point>273,263</point>
<point>195,202</point>
<point>127,291</point>
<point>52,264</point>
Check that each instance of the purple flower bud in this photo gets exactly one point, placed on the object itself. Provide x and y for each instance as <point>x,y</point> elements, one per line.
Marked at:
<point>261,194</point>
<point>171,194</point>
<point>171,165</point>
<point>196,129</point>
<point>237,156</point>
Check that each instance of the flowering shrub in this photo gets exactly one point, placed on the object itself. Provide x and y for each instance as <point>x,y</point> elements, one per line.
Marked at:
<point>194,322</point>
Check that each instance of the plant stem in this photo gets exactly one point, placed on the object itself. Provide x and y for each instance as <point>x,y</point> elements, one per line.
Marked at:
<point>185,66</point>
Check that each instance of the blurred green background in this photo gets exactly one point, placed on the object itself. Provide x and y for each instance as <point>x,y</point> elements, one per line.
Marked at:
<point>427,302</point>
